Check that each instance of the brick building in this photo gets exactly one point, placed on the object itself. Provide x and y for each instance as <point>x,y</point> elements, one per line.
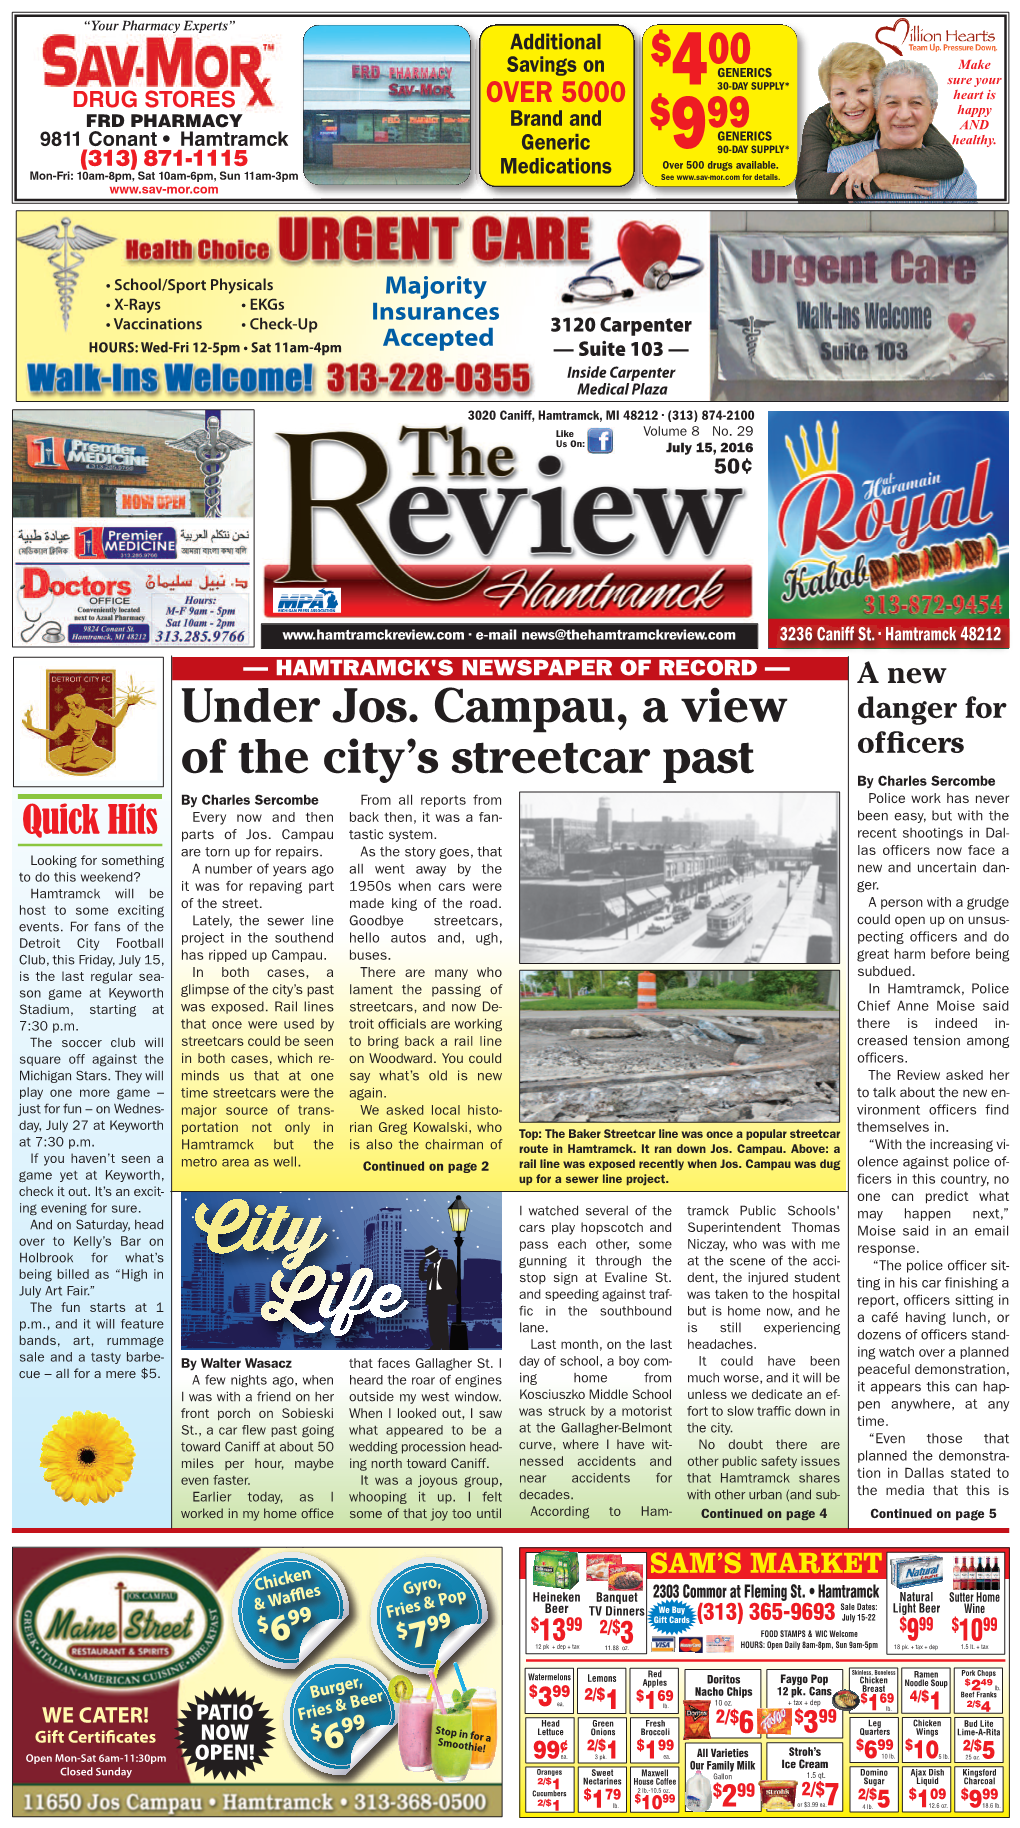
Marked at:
<point>605,898</point>
<point>395,102</point>
<point>68,473</point>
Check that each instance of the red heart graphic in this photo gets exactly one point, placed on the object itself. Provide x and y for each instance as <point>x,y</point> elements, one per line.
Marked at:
<point>640,245</point>
<point>961,325</point>
<point>886,36</point>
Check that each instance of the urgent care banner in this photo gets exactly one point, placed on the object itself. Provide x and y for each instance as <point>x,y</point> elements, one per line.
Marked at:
<point>880,308</point>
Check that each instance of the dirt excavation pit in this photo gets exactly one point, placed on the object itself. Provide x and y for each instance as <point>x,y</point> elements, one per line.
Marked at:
<point>629,1069</point>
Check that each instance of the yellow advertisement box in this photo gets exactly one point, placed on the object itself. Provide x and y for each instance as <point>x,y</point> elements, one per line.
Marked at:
<point>720,105</point>
<point>557,106</point>
<point>404,304</point>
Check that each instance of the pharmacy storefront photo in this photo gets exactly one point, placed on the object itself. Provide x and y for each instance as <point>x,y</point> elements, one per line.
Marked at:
<point>387,103</point>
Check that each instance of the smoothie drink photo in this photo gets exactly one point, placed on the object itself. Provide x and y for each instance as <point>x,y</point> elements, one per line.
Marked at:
<point>483,1727</point>
<point>451,1742</point>
<point>414,1732</point>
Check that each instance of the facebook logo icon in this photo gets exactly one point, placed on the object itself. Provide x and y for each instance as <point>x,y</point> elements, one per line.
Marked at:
<point>600,438</point>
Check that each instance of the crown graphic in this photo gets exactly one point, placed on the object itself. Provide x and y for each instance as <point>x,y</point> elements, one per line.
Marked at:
<point>66,252</point>
<point>811,465</point>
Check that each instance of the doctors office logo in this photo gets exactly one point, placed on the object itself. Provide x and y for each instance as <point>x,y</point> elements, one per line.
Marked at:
<point>120,1621</point>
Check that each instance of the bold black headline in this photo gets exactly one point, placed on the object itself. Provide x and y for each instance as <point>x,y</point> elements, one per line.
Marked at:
<point>259,755</point>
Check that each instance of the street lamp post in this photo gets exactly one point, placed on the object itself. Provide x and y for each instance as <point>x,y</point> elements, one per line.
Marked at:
<point>459,1215</point>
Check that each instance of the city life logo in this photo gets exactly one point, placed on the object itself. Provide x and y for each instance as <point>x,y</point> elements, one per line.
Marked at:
<point>66,248</point>
<point>262,1276</point>
<point>119,1621</point>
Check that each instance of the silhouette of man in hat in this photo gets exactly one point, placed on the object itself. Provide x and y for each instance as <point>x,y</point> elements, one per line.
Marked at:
<point>440,1278</point>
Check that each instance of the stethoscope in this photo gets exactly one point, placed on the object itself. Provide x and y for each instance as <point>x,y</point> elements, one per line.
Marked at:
<point>597,288</point>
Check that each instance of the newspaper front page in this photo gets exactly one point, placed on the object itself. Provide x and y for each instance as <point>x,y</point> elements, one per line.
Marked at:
<point>510,844</point>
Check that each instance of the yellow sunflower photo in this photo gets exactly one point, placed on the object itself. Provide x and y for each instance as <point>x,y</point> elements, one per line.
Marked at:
<point>87,1456</point>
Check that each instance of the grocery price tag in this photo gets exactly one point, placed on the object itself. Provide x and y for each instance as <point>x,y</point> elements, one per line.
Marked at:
<point>287,1608</point>
<point>977,1791</point>
<point>546,1689</point>
<point>926,1791</point>
<point>550,1741</point>
<point>874,1792</point>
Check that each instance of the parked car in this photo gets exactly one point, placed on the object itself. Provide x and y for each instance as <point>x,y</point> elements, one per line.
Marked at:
<point>661,924</point>
<point>703,901</point>
<point>681,912</point>
<point>756,951</point>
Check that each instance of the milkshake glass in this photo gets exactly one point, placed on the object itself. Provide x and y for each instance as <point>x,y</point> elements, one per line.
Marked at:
<point>451,1745</point>
<point>414,1732</point>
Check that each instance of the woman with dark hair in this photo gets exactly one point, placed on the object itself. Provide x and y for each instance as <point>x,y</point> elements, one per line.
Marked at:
<point>848,117</point>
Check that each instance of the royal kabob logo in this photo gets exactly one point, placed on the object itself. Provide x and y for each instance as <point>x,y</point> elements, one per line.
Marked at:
<point>120,1622</point>
<point>908,505</point>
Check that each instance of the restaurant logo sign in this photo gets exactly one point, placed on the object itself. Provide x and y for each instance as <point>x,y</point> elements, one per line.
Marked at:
<point>120,1621</point>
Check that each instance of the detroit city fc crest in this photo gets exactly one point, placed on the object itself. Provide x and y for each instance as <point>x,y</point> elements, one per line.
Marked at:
<point>84,710</point>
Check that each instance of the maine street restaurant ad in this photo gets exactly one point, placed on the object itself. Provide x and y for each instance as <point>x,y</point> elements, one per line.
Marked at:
<point>510,842</point>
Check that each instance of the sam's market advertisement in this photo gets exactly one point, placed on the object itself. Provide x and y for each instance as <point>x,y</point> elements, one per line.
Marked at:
<point>888,528</point>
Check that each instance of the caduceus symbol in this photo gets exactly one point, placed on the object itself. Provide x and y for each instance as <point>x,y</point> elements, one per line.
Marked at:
<point>211,446</point>
<point>66,251</point>
<point>752,328</point>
